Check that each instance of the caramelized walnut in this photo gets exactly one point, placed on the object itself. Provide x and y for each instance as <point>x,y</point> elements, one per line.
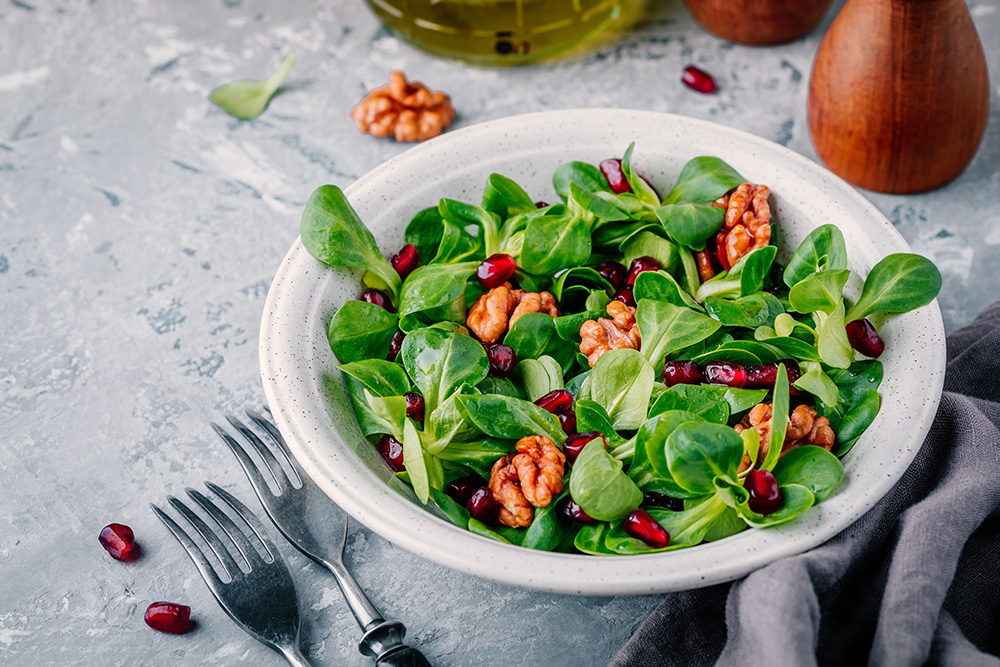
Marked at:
<point>603,335</point>
<point>408,111</point>
<point>540,466</point>
<point>747,225</point>
<point>804,428</point>
<point>494,311</point>
<point>515,510</point>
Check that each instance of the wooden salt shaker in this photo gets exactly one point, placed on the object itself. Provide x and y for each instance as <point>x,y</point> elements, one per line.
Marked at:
<point>758,22</point>
<point>899,94</point>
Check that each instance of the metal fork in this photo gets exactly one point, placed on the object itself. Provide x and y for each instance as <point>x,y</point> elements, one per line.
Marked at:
<point>317,527</point>
<point>259,594</point>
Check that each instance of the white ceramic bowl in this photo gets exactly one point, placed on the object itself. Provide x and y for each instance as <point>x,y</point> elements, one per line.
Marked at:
<point>311,406</point>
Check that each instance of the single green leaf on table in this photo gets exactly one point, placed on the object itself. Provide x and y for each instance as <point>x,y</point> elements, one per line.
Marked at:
<point>599,486</point>
<point>248,99</point>
<point>510,418</point>
<point>661,286</point>
<point>434,285</point>
<point>648,244</point>
<point>820,291</point>
<point>666,328</point>
<point>360,330</point>
<point>780,408</point>
<point>703,179</point>
<point>586,176</point>
<point>822,250</point>
<point>440,361</point>
<point>505,198</point>
<point>898,283</point>
<point>621,382</point>
<point>812,467</point>
<point>691,224</point>
<point>831,338</point>
<point>699,452</point>
<point>640,188</point>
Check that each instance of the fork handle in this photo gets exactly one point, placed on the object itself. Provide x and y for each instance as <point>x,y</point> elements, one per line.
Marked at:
<point>404,657</point>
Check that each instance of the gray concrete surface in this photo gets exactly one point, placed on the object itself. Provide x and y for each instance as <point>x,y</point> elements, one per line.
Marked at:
<point>139,229</point>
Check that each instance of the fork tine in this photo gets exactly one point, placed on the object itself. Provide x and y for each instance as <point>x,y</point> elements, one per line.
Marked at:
<point>228,525</point>
<point>272,430</point>
<point>193,550</point>
<point>211,537</point>
<point>269,459</point>
<point>249,466</point>
<point>244,512</point>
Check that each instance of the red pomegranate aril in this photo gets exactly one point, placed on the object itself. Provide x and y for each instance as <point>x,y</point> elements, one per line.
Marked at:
<point>765,494</point>
<point>699,80</point>
<point>642,526</point>
<point>612,170</point>
<point>614,273</point>
<point>405,261</point>
<point>640,264</point>
<point>119,541</point>
<point>496,270</point>
<point>502,360</point>
<point>864,338</point>
<point>626,296</point>
<point>379,298</point>
<point>573,511</point>
<point>392,452</point>
<point>395,345</point>
<point>169,617</point>
<point>682,372</point>
<point>725,373</point>
<point>762,377</point>
<point>575,443</point>
<point>541,204</point>
<point>556,401</point>
<point>483,506</point>
<point>461,489</point>
<point>657,499</point>
<point>414,406</point>
<point>568,422</point>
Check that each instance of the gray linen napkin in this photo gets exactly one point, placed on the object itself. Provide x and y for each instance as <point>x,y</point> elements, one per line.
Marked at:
<point>915,581</point>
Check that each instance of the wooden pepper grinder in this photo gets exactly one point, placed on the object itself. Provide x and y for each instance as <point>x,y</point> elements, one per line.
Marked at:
<point>899,94</point>
<point>758,22</point>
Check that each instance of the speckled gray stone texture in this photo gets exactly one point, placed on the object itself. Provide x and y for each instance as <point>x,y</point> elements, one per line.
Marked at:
<point>140,227</point>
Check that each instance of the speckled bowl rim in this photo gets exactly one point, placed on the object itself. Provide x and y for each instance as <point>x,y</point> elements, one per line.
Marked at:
<point>294,354</point>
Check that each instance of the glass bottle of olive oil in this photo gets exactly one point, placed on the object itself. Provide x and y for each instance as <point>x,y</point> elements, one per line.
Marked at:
<point>496,32</point>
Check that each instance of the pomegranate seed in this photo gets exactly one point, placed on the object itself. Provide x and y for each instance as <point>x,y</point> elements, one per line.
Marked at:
<point>657,499</point>
<point>682,372</point>
<point>502,359</point>
<point>614,273</point>
<point>864,338</point>
<point>568,421</point>
<point>573,511</point>
<point>395,345</point>
<point>765,494</point>
<point>640,264</point>
<point>697,79</point>
<point>725,373</point>
<point>764,376</point>
<point>575,443</point>
<point>626,296</point>
<point>461,489</point>
<point>405,260</point>
<point>612,170</point>
<point>496,270</point>
<point>556,401</point>
<point>169,617</point>
<point>483,506</point>
<point>414,406</point>
<point>379,298</point>
<point>392,452</point>
<point>640,525</point>
<point>119,541</point>
<point>541,204</point>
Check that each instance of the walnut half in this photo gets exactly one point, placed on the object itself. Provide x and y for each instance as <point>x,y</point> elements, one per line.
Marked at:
<point>747,225</point>
<point>804,428</point>
<point>499,308</point>
<point>597,337</point>
<point>408,111</point>
<point>527,480</point>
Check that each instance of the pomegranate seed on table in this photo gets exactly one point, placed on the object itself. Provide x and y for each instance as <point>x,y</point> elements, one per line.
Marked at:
<point>461,489</point>
<point>725,373</point>
<point>682,372</point>
<point>169,617</point>
<point>612,170</point>
<point>495,270</point>
<point>765,494</point>
<point>626,296</point>
<point>571,510</point>
<point>392,452</point>
<point>642,526</point>
<point>119,541</point>
<point>699,80</point>
<point>864,338</point>
<point>614,273</point>
<point>657,499</point>
<point>556,401</point>
<point>483,506</point>
<point>568,421</point>
<point>541,204</point>
<point>395,345</point>
<point>405,261</point>
<point>379,298</point>
<point>575,443</point>
<point>502,359</point>
<point>414,406</point>
<point>640,264</point>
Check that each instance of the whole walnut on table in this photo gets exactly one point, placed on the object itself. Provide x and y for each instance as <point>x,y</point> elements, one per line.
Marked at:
<point>408,111</point>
